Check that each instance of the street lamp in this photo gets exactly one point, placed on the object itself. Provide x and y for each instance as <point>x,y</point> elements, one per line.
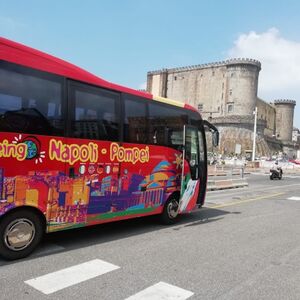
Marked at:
<point>254,134</point>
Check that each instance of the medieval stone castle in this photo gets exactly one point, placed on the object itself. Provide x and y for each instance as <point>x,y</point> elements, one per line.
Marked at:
<point>226,94</point>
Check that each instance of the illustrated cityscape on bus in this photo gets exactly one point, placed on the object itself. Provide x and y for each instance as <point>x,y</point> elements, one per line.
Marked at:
<point>100,191</point>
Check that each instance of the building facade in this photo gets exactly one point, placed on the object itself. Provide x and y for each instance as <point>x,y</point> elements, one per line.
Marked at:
<point>226,94</point>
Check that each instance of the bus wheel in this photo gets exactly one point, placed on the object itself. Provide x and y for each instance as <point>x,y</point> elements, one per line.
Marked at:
<point>170,213</point>
<point>20,233</point>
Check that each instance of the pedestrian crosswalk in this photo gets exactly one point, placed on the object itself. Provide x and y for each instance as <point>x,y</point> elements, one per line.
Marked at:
<point>294,198</point>
<point>162,291</point>
<point>67,277</point>
<point>70,276</point>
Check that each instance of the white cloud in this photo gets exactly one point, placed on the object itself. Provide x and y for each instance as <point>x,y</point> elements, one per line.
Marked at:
<point>280,59</point>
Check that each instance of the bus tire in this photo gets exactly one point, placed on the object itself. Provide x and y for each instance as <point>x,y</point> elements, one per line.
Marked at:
<point>20,233</point>
<point>170,213</point>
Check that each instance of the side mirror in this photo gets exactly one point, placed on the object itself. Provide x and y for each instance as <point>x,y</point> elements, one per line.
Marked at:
<point>214,131</point>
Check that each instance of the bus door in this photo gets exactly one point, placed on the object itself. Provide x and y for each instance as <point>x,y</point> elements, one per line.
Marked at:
<point>190,170</point>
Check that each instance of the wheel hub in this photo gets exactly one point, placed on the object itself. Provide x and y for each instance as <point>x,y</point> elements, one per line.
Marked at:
<point>173,209</point>
<point>19,234</point>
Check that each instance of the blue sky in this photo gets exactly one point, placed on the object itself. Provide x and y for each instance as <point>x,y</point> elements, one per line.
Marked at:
<point>120,40</point>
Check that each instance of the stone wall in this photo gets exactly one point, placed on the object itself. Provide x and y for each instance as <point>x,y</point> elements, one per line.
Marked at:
<point>231,136</point>
<point>267,112</point>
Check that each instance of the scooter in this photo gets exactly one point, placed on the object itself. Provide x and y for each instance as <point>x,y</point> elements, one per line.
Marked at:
<point>276,173</point>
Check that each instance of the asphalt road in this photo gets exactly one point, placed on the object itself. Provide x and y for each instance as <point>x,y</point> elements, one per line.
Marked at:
<point>244,244</point>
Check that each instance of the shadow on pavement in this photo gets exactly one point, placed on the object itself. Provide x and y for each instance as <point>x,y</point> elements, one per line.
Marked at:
<point>103,233</point>
<point>209,215</point>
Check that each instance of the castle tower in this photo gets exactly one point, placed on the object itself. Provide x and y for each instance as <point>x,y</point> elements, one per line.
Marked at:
<point>241,80</point>
<point>284,119</point>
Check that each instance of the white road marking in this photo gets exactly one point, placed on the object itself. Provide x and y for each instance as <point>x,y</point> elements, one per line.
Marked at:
<point>294,198</point>
<point>162,291</point>
<point>56,281</point>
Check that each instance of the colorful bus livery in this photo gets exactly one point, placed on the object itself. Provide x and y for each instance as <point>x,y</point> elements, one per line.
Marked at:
<point>76,150</point>
<point>72,201</point>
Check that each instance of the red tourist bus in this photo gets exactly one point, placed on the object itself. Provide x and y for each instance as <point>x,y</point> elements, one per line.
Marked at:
<point>76,150</point>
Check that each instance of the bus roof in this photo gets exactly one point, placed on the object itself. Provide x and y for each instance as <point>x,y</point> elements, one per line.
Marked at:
<point>20,54</point>
<point>174,102</point>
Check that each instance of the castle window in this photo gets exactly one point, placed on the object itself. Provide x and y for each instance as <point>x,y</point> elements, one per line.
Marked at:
<point>230,108</point>
<point>175,77</point>
<point>230,92</point>
<point>200,107</point>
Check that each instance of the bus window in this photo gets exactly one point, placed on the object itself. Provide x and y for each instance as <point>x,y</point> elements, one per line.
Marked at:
<point>194,118</point>
<point>96,114</point>
<point>166,125</point>
<point>176,138</point>
<point>135,120</point>
<point>30,104</point>
<point>201,147</point>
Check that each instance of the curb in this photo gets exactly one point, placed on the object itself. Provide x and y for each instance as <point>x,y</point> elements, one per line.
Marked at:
<point>213,185</point>
<point>225,174</point>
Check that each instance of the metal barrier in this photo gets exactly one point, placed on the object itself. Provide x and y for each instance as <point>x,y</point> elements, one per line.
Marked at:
<point>234,177</point>
<point>223,170</point>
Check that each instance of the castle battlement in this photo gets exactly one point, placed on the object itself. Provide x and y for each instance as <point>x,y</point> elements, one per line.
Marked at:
<point>228,62</point>
<point>285,101</point>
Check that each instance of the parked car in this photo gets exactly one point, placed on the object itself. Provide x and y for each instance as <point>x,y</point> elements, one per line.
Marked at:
<point>294,161</point>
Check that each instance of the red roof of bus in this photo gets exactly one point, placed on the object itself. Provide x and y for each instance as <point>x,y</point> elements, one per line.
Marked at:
<point>29,57</point>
